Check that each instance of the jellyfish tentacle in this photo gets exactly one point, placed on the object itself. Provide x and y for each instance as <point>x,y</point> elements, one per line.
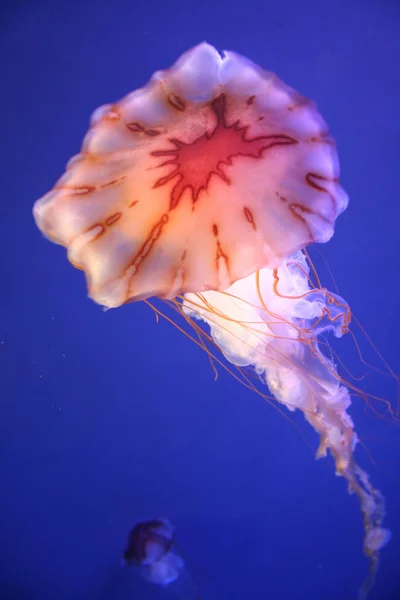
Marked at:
<point>286,355</point>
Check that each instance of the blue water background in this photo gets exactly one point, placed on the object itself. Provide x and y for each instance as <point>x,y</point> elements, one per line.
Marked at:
<point>106,418</point>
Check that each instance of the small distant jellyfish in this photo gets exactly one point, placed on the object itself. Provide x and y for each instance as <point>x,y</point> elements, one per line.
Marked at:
<point>150,548</point>
<point>204,189</point>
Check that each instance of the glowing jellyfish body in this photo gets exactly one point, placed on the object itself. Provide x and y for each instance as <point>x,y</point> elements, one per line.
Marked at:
<point>205,186</point>
<point>213,170</point>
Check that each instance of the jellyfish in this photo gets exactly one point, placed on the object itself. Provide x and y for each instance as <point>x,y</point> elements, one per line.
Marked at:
<point>204,188</point>
<point>150,547</point>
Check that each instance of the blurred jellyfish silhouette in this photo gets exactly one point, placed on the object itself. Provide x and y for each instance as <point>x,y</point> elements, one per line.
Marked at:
<point>151,549</point>
<point>204,189</point>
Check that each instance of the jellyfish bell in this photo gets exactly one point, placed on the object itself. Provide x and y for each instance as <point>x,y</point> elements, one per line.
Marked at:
<point>211,151</point>
<point>205,187</point>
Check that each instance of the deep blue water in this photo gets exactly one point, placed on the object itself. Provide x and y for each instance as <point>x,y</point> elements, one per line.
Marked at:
<point>107,418</point>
